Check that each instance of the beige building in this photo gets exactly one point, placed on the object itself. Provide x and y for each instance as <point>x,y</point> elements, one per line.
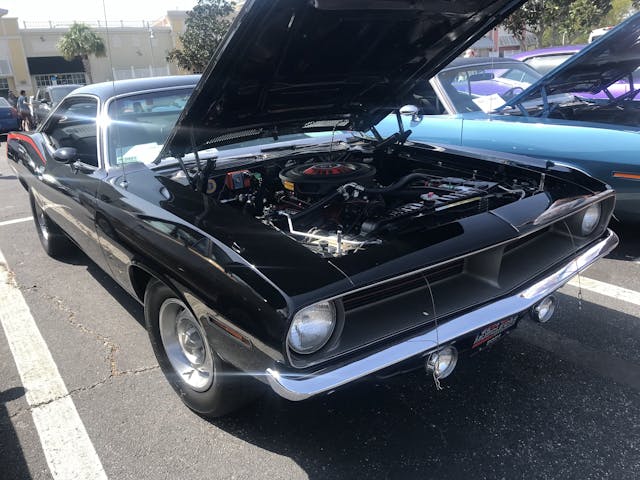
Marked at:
<point>29,58</point>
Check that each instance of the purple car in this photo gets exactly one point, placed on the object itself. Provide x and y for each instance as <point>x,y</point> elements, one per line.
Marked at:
<point>545,60</point>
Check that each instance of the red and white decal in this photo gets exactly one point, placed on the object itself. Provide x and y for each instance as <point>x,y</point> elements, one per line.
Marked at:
<point>494,330</point>
<point>29,140</point>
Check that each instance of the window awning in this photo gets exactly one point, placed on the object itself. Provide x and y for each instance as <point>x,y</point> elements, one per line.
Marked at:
<point>45,65</point>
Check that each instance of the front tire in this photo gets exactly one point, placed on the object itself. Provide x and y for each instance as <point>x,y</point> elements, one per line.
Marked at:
<point>53,241</point>
<point>204,382</point>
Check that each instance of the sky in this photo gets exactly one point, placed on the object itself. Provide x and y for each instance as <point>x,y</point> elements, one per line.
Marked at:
<point>91,10</point>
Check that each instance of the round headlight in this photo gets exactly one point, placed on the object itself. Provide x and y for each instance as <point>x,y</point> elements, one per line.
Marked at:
<point>312,327</point>
<point>590,219</point>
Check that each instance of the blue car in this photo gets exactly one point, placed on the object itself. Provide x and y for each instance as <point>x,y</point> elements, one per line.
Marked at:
<point>553,117</point>
<point>8,117</point>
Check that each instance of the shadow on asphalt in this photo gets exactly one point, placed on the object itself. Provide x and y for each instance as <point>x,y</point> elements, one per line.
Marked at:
<point>12,461</point>
<point>513,412</point>
<point>116,291</point>
<point>629,248</point>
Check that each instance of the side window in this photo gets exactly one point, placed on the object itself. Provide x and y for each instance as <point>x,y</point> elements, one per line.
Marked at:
<point>46,97</point>
<point>74,125</point>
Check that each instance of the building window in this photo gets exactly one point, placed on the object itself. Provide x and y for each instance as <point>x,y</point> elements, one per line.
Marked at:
<point>4,87</point>
<point>5,67</point>
<point>47,79</point>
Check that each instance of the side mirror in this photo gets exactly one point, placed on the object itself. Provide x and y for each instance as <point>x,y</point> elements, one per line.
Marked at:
<point>44,101</point>
<point>65,155</point>
<point>409,110</point>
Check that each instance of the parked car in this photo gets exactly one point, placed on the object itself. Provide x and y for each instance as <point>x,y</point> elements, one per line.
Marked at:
<point>546,59</point>
<point>47,99</point>
<point>9,118</point>
<point>272,244</point>
<point>598,33</point>
<point>552,119</point>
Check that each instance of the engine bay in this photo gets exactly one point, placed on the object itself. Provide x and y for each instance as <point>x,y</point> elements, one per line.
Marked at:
<point>625,113</point>
<point>337,203</point>
<point>614,112</point>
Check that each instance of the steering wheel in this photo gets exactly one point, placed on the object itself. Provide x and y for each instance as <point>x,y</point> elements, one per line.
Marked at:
<point>509,94</point>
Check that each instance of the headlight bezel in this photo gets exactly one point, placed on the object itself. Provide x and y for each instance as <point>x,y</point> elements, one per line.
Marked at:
<point>332,332</point>
<point>574,223</point>
<point>597,208</point>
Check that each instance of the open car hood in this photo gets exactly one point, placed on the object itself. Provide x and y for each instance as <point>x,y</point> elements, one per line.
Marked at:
<point>611,58</point>
<point>290,66</point>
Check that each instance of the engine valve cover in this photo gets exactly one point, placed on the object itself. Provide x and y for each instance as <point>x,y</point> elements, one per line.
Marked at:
<point>313,179</point>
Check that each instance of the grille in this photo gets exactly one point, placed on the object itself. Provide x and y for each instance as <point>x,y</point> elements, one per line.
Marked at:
<point>521,241</point>
<point>393,288</point>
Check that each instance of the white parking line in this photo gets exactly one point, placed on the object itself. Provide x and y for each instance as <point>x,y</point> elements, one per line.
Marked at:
<point>16,220</point>
<point>613,291</point>
<point>66,445</point>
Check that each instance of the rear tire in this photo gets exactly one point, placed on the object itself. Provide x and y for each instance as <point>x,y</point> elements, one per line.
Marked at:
<point>53,241</point>
<point>205,383</point>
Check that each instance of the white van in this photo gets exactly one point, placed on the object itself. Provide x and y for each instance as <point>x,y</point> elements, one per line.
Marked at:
<point>597,33</point>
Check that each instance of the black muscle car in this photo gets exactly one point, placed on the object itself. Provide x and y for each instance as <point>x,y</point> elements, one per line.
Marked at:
<point>273,243</point>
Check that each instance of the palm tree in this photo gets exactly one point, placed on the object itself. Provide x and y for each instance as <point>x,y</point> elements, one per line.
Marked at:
<point>81,41</point>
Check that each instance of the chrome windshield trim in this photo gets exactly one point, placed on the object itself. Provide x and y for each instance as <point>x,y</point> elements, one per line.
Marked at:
<point>299,387</point>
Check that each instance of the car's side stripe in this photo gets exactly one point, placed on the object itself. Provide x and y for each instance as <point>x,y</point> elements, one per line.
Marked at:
<point>630,176</point>
<point>29,140</point>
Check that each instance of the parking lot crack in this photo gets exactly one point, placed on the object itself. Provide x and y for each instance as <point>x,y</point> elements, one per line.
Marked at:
<point>111,347</point>
<point>86,388</point>
<point>19,412</point>
<point>71,317</point>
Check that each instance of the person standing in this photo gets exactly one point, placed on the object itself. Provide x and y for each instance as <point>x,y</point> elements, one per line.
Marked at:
<point>24,111</point>
<point>13,100</point>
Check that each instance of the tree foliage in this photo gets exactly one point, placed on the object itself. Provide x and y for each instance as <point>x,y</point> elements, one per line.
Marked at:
<point>81,41</point>
<point>555,21</point>
<point>620,10</point>
<point>205,28</point>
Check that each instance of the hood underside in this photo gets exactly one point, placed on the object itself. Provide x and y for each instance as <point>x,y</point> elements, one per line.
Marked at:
<point>613,57</point>
<point>306,65</point>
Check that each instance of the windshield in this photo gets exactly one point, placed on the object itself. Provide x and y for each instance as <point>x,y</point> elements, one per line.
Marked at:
<point>4,103</point>
<point>544,64</point>
<point>485,87</point>
<point>59,93</point>
<point>140,124</point>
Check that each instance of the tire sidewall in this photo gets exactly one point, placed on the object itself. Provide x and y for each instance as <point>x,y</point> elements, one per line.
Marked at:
<point>54,244</point>
<point>217,399</point>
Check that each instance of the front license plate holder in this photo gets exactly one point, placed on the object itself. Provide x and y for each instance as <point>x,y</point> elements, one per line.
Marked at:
<point>490,334</point>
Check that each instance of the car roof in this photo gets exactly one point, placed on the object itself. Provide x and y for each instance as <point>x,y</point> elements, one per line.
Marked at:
<point>463,62</point>
<point>106,90</point>
<point>540,52</point>
<point>66,85</point>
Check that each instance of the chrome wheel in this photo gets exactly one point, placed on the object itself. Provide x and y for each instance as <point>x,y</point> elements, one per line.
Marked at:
<point>42,222</point>
<point>185,344</point>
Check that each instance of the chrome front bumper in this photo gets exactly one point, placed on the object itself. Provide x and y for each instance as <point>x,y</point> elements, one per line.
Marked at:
<point>300,387</point>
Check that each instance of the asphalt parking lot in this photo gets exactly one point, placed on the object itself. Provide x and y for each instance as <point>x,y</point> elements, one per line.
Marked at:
<point>555,401</point>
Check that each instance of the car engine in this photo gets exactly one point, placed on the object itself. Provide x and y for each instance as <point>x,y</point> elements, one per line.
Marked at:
<point>339,203</point>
